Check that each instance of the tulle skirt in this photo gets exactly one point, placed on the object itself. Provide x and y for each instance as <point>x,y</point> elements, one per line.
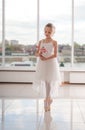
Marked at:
<point>47,71</point>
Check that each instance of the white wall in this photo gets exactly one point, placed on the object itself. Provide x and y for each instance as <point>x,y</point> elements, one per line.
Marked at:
<point>27,74</point>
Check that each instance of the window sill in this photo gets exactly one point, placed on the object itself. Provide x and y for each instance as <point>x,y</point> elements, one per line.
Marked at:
<point>30,69</point>
<point>27,74</point>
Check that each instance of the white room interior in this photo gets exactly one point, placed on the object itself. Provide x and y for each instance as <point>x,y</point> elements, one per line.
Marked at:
<point>21,25</point>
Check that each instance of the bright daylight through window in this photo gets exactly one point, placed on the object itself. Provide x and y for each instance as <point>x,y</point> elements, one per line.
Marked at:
<point>79,33</point>
<point>21,29</point>
<point>21,32</point>
<point>60,15</point>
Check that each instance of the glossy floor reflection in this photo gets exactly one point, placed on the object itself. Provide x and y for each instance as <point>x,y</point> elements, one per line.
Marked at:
<point>21,114</point>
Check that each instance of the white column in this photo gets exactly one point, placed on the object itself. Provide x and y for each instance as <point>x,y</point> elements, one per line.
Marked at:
<point>37,20</point>
<point>72,53</point>
<point>37,100</point>
<point>3,32</point>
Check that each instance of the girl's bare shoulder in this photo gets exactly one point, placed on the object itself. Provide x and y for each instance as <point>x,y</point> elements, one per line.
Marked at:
<point>41,41</point>
<point>54,42</point>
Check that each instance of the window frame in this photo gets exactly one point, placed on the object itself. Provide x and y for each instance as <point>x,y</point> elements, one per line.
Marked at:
<point>38,28</point>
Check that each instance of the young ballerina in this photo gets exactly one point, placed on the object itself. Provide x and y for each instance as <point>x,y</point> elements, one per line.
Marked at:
<point>47,69</point>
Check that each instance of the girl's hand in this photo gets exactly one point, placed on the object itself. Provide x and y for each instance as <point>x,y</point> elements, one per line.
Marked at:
<point>42,58</point>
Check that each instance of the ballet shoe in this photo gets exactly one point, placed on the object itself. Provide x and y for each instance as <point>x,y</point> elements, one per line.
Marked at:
<point>47,104</point>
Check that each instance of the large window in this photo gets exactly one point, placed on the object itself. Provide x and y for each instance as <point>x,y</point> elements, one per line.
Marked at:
<point>58,13</point>
<point>79,33</point>
<point>0,32</point>
<point>21,31</point>
<point>24,25</point>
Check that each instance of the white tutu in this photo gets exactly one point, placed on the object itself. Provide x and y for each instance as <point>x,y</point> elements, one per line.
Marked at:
<point>47,70</point>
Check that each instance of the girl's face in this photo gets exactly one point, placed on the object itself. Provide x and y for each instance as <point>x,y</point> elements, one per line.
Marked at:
<point>48,32</point>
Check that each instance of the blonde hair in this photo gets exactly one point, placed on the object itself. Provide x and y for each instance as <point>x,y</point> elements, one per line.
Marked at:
<point>50,25</point>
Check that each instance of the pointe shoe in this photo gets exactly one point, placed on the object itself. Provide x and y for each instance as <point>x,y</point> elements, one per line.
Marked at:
<point>45,105</point>
<point>49,103</point>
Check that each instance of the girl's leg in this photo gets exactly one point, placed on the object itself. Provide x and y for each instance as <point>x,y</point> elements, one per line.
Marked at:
<point>48,99</point>
<point>48,89</point>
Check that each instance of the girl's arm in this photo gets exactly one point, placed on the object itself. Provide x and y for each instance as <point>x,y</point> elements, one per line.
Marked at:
<point>38,49</point>
<point>38,52</point>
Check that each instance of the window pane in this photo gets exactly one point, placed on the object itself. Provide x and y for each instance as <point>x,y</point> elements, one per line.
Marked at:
<point>79,45</point>
<point>0,32</point>
<point>58,13</point>
<point>21,28</point>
